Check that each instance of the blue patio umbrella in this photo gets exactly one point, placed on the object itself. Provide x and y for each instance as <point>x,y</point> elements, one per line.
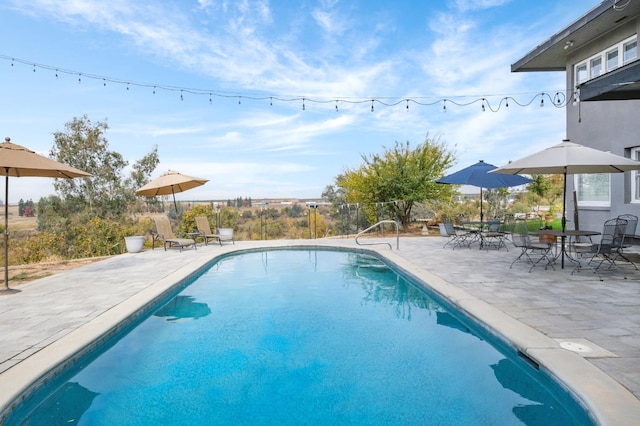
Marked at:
<point>478,175</point>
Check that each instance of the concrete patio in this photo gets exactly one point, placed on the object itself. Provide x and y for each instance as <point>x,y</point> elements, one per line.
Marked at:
<point>583,330</point>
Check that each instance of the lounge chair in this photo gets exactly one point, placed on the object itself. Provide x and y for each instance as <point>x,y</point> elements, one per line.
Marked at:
<point>202,223</point>
<point>226,234</point>
<point>165,234</point>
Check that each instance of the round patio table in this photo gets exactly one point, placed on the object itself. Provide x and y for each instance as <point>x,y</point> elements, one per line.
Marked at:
<point>571,233</point>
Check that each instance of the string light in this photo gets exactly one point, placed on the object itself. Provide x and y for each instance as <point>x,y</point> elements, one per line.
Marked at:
<point>558,99</point>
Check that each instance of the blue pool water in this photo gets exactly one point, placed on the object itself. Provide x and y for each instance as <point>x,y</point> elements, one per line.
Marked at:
<point>301,337</point>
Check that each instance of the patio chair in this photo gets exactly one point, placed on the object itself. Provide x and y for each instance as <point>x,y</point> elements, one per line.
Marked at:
<point>457,237</point>
<point>202,223</point>
<point>225,235</point>
<point>606,250</point>
<point>629,237</point>
<point>494,236</point>
<point>165,234</point>
<point>533,252</point>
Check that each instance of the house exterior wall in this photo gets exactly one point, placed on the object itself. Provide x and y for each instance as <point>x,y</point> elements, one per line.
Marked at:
<point>606,125</point>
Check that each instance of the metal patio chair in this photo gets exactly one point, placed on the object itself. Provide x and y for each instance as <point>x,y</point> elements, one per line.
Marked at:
<point>629,237</point>
<point>533,252</point>
<point>604,252</point>
<point>457,237</point>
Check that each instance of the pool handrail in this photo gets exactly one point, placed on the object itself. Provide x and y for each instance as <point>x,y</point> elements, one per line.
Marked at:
<point>377,225</point>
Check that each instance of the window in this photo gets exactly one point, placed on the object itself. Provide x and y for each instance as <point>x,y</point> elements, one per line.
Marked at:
<point>612,59</point>
<point>630,51</point>
<point>635,177</point>
<point>581,73</point>
<point>593,189</point>
<point>596,67</point>
<point>607,60</point>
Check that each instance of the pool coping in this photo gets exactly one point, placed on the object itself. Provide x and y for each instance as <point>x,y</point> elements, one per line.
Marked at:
<point>607,401</point>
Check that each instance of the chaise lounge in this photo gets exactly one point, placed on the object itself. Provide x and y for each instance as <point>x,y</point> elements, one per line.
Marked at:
<point>204,230</point>
<point>165,234</point>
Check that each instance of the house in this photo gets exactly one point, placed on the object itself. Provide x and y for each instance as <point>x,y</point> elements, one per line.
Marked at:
<point>599,54</point>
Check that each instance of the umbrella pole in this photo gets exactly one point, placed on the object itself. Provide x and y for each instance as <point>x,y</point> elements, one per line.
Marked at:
<point>6,229</point>
<point>481,213</point>
<point>564,218</point>
<point>175,205</point>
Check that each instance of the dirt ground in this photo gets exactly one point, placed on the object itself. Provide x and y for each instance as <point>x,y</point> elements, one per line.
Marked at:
<point>20,274</point>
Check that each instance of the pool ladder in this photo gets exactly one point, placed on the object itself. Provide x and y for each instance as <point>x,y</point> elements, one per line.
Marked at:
<point>376,226</point>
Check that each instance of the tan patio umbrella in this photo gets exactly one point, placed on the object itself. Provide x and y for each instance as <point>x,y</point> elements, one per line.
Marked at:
<point>170,182</point>
<point>18,161</point>
<point>568,158</point>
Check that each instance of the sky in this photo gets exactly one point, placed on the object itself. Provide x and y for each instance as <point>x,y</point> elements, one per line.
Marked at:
<point>273,99</point>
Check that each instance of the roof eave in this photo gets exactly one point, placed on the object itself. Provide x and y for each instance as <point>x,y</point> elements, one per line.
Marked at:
<point>554,46</point>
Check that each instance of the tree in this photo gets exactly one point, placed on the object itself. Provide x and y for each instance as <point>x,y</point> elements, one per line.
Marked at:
<point>539,186</point>
<point>106,192</point>
<point>398,178</point>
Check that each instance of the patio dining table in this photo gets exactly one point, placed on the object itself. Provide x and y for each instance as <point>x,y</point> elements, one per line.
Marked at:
<point>476,228</point>
<point>567,233</point>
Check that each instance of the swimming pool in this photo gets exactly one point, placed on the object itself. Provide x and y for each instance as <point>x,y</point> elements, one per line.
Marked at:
<point>301,336</point>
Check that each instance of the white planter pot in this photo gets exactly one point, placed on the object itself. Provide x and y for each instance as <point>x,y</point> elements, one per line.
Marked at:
<point>134,244</point>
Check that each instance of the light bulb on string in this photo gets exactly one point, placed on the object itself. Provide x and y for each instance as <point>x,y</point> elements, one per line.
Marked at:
<point>558,98</point>
<point>34,68</point>
<point>483,109</point>
<point>371,105</point>
<point>79,78</point>
<point>210,100</point>
<point>154,90</point>
<point>336,106</point>
<point>181,97</point>
<point>56,73</point>
<point>444,105</point>
<point>541,100</point>
<point>239,100</point>
<point>407,104</point>
<point>271,101</point>
<point>104,82</point>
<point>303,106</point>
<point>127,86</point>
<point>507,102</point>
